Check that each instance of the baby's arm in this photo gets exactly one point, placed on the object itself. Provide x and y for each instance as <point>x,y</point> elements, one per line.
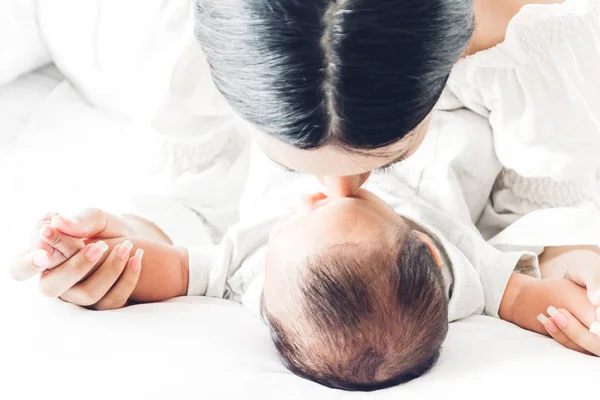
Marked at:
<point>165,270</point>
<point>164,274</point>
<point>526,299</point>
<point>61,256</point>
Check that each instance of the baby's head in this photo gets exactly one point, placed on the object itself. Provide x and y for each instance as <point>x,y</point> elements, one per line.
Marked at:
<point>354,294</point>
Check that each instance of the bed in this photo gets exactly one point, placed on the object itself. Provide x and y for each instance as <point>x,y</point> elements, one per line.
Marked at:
<point>54,135</point>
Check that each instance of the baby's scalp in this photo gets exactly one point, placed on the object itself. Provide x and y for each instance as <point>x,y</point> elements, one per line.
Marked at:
<point>362,315</point>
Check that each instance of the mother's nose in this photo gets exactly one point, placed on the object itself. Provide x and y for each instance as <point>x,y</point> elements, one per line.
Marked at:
<point>344,186</point>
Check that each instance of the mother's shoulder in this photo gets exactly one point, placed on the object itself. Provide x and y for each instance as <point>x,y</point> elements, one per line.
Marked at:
<point>492,18</point>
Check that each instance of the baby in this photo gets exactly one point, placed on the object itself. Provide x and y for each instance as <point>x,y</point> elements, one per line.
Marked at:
<point>357,292</point>
<point>354,294</point>
<point>357,296</point>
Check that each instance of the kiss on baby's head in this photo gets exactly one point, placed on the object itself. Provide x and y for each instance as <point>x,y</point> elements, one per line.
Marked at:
<point>354,295</point>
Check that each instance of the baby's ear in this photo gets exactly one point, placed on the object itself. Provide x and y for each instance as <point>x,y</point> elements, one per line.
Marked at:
<point>435,252</point>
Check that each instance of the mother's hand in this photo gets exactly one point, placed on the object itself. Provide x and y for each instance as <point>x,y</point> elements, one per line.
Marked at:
<point>92,223</point>
<point>75,272</point>
<point>570,332</point>
<point>49,249</point>
<point>91,280</point>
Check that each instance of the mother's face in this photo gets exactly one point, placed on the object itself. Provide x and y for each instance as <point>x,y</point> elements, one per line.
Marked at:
<point>341,171</point>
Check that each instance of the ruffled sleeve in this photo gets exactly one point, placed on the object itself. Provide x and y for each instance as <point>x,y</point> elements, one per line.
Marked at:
<point>194,154</point>
<point>534,213</point>
<point>540,90</point>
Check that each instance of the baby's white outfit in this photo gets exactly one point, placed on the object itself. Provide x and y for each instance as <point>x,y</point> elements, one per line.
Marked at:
<point>428,189</point>
<point>539,91</point>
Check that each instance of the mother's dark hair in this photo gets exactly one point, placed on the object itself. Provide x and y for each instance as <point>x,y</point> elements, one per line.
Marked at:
<point>360,74</point>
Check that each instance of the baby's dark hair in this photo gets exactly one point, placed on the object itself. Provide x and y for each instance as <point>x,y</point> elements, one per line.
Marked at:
<point>375,318</point>
<point>357,74</point>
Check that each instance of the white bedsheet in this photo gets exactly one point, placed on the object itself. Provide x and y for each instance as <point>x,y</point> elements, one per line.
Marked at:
<point>190,347</point>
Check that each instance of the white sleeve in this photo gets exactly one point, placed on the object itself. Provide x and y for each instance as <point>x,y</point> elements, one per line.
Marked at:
<point>515,197</point>
<point>212,267</point>
<point>566,226</point>
<point>23,46</point>
<point>202,261</point>
<point>192,156</point>
<point>540,90</point>
<point>481,274</point>
<point>496,268</point>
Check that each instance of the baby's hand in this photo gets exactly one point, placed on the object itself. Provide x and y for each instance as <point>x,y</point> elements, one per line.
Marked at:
<point>56,248</point>
<point>48,250</point>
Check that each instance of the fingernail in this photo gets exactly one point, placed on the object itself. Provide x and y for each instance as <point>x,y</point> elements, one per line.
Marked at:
<point>595,328</point>
<point>137,263</point>
<point>46,231</point>
<point>41,259</point>
<point>547,323</point>
<point>124,250</point>
<point>558,317</point>
<point>95,251</point>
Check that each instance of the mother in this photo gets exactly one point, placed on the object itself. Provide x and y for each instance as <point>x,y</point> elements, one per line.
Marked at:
<point>335,89</point>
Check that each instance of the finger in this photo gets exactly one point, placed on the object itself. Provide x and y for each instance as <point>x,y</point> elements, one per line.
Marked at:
<point>94,288</point>
<point>90,223</point>
<point>55,282</point>
<point>579,302</point>
<point>38,243</point>
<point>575,330</point>
<point>557,334</point>
<point>29,264</point>
<point>588,277</point>
<point>67,246</point>
<point>593,290</point>
<point>36,259</point>
<point>45,220</point>
<point>118,295</point>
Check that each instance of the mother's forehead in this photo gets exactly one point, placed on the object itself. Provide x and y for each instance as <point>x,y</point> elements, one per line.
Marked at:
<point>335,161</point>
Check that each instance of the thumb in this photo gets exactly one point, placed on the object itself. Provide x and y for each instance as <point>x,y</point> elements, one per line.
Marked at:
<point>92,223</point>
<point>591,280</point>
<point>594,294</point>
